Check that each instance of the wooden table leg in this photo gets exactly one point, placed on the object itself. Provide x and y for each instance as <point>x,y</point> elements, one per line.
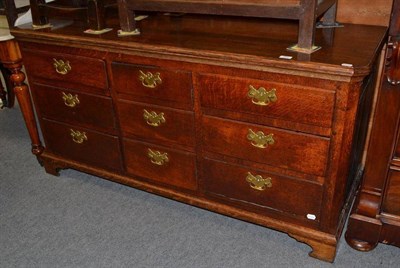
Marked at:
<point>24,99</point>
<point>12,60</point>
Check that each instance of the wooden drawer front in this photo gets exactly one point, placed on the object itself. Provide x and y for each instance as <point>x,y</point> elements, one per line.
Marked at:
<point>96,149</point>
<point>270,191</point>
<point>82,70</point>
<point>391,204</point>
<point>74,107</point>
<point>168,166</point>
<point>283,101</point>
<point>156,123</point>
<point>173,88</point>
<point>290,150</point>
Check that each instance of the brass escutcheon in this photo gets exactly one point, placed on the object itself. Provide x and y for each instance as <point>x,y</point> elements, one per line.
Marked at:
<point>153,119</point>
<point>78,137</point>
<point>259,139</point>
<point>257,182</point>
<point>149,80</point>
<point>62,67</point>
<point>70,100</point>
<point>157,157</point>
<point>261,96</point>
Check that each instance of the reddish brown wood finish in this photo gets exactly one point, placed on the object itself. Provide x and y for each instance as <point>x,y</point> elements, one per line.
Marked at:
<point>177,128</point>
<point>92,111</point>
<point>175,86</point>
<point>12,60</point>
<point>299,104</point>
<point>393,70</point>
<point>84,71</point>
<point>229,182</point>
<point>291,150</point>
<point>376,214</point>
<point>98,150</point>
<point>178,171</point>
<point>391,202</point>
<point>308,156</point>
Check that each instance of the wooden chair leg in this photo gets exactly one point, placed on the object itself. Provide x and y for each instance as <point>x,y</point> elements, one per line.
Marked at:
<point>127,20</point>
<point>38,19</point>
<point>25,104</point>
<point>307,24</point>
<point>11,56</point>
<point>96,15</point>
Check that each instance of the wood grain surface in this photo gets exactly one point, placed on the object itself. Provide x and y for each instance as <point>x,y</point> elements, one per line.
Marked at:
<point>370,12</point>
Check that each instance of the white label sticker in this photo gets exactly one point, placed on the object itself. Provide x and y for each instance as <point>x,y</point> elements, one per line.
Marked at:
<point>285,57</point>
<point>347,65</point>
<point>311,217</point>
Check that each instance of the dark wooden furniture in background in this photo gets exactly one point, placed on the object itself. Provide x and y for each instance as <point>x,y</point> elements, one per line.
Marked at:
<point>198,110</point>
<point>9,9</point>
<point>92,11</point>
<point>376,12</point>
<point>376,213</point>
<point>306,12</point>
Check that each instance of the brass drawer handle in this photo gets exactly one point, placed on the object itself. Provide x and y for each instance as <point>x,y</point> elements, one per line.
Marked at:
<point>62,67</point>
<point>70,100</point>
<point>153,119</point>
<point>257,182</point>
<point>259,139</point>
<point>78,137</point>
<point>261,96</point>
<point>157,157</point>
<point>150,80</point>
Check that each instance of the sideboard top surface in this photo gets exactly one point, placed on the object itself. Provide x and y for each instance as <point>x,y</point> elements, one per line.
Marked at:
<point>255,43</point>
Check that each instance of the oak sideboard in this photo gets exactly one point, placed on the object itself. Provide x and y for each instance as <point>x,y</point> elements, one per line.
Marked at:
<point>210,111</point>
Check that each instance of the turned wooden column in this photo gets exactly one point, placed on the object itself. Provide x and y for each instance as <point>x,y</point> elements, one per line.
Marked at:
<point>12,60</point>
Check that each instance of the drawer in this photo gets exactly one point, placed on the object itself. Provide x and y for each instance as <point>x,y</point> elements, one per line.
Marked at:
<point>153,85</point>
<point>74,107</point>
<point>82,145</point>
<point>391,203</point>
<point>156,123</point>
<point>161,164</point>
<point>262,189</point>
<point>69,69</point>
<point>269,99</point>
<point>271,146</point>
